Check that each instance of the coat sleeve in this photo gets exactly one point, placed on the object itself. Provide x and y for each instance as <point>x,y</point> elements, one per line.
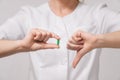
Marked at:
<point>14,28</point>
<point>107,20</point>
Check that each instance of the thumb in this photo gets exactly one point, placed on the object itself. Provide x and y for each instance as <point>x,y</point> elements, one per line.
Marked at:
<point>78,56</point>
<point>49,46</point>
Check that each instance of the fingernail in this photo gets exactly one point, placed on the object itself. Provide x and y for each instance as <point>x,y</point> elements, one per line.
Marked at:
<point>58,47</point>
<point>73,67</point>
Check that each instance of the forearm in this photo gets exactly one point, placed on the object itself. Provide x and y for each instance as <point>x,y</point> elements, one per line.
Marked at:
<point>8,47</point>
<point>109,40</point>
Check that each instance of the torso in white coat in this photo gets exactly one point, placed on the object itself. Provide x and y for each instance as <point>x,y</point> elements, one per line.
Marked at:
<point>56,64</point>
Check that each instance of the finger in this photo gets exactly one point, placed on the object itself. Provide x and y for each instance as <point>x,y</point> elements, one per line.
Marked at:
<point>76,42</point>
<point>38,36</point>
<point>74,46</point>
<point>47,37</point>
<point>53,35</point>
<point>31,35</point>
<point>76,38</point>
<point>78,57</point>
<point>43,36</point>
<point>78,34</point>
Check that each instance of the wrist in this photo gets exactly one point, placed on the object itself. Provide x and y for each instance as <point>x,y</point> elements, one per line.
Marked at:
<point>99,41</point>
<point>21,46</point>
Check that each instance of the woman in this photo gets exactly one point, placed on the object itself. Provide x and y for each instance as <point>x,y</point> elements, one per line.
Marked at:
<point>77,26</point>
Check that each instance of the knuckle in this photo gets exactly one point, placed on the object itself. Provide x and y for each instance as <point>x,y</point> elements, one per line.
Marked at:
<point>44,34</point>
<point>70,41</point>
<point>68,44</point>
<point>48,34</point>
<point>39,33</point>
<point>78,33</point>
<point>68,47</point>
<point>73,37</point>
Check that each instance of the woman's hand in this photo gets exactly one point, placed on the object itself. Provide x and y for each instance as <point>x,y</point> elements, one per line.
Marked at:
<point>82,42</point>
<point>37,39</point>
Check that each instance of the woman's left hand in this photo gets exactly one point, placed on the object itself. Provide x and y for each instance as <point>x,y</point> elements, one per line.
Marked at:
<point>82,42</point>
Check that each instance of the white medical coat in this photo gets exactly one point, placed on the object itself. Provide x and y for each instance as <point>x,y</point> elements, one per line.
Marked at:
<point>55,64</point>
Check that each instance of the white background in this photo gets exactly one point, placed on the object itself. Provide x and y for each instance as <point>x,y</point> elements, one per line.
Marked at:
<point>16,67</point>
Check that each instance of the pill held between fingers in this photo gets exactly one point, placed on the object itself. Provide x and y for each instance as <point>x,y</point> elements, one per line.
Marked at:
<point>58,42</point>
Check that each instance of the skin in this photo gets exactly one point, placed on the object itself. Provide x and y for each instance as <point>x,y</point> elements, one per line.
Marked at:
<point>36,39</point>
<point>63,7</point>
<point>84,42</point>
<point>80,41</point>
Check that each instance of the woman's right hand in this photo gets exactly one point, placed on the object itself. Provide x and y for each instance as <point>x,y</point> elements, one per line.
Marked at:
<point>37,39</point>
